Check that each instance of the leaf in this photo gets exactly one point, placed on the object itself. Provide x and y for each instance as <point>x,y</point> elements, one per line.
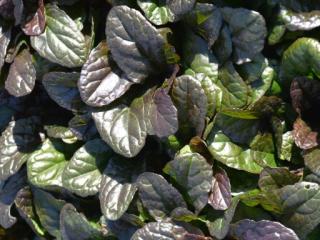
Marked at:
<point>303,136</point>
<point>8,193</point>
<point>304,94</point>
<point>241,131</point>
<point>156,112</point>
<point>158,196</point>
<point>232,155</point>
<point>100,83</point>
<point>234,90</point>
<point>312,160</point>
<point>183,214</point>
<point>138,51</point>
<point>160,231</point>
<point>22,75</point>
<point>63,133</point>
<point>206,19</point>
<point>220,196</point>
<point>35,22</point>
<point>300,202</point>
<point>180,7</point>
<point>62,88</point>
<point>163,114</point>
<point>303,50</point>
<point>199,58</point>
<point>248,30</point>
<point>223,46</point>
<point>192,172</point>
<point>191,102</point>
<point>16,143</point>
<point>75,226</point>
<point>219,227</point>
<point>275,178</point>
<point>286,146</point>
<point>248,229</point>
<point>122,228</point>
<point>204,67</point>
<point>259,76</point>
<point>160,13</point>
<point>156,12</point>
<point>303,21</point>
<point>82,174</point>
<point>118,186</point>
<point>25,207</point>
<point>62,42</point>
<point>46,165</point>
<point>48,209</point>
<point>83,127</point>
<point>121,129</point>
<point>5,36</point>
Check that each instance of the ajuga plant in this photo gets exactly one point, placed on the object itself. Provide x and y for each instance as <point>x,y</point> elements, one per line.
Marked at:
<point>160,120</point>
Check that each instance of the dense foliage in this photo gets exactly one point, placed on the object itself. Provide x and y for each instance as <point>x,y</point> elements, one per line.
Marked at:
<point>160,120</point>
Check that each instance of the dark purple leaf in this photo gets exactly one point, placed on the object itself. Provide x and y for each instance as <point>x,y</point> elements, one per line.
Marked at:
<point>303,136</point>
<point>35,21</point>
<point>22,75</point>
<point>263,230</point>
<point>220,196</point>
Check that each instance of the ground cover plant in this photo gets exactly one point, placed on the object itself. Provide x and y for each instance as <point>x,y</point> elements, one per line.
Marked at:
<point>151,120</point>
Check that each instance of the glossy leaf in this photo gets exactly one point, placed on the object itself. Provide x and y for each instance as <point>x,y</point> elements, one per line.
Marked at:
<point>63,133</point>
<point>82,174</point>
<point>75,226</point>
<point>46,165</point>
<point>17,142</point>
<point>157,112</point>
<point>192,172</point>
<point>219,227</point>
<point>160,231</point>
<point>311,160</point>
<point>22,75</point>
<point>303,136</point>
<point>300,202</point>
<point>275,178</point>
<point>121,129</point>
<point>62,42</point>
<point>35,22</point>
<point>204,66</point>
<point>8,193</point>
<point>303,21</point>
<point>206,19</point>
<point>138,51</point>
<point>191,101</point>
<point>220,195</point>
<point>118,186</point>
<point>24,204</point>
<point>158,196</point>
<point>83,127</point>
<point>48,209</point>
<point>248,30</point>
<point>100,83</point>
<point>303,50</point>
<point>236,157</point>
<point>161,13</point>
<point>248,229</point>
<point>234,90</point>
<point>62,88</point>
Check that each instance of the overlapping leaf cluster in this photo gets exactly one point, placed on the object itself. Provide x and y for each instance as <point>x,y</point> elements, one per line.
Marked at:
<point>176,119</point>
